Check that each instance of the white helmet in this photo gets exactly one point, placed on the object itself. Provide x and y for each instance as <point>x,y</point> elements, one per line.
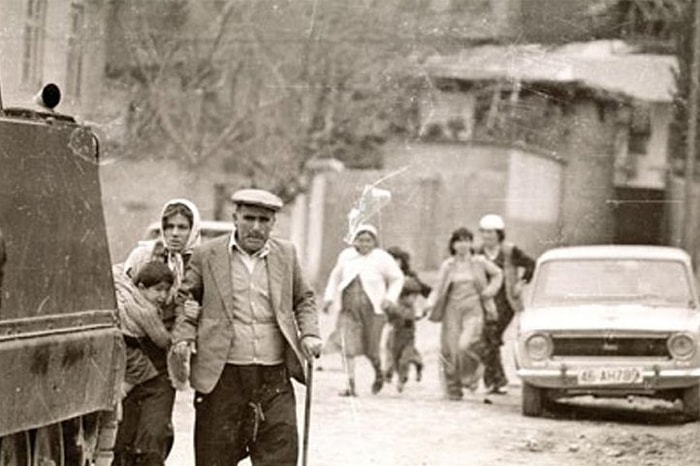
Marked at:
<point>492,222</point>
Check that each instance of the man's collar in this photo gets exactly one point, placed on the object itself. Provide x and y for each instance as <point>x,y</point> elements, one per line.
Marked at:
<point>261,253</point>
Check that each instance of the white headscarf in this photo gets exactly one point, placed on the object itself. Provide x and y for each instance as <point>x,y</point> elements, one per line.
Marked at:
<point>144,251</point>
<point>175,261</point>
<point>366,228</point>
<point>195,237</point>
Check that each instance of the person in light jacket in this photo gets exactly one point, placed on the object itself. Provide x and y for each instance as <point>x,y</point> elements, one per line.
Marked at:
<point>365,282</point>
<point>461,300</point>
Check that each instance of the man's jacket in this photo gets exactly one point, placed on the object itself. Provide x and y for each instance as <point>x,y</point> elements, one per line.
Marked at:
<point>208,280</point>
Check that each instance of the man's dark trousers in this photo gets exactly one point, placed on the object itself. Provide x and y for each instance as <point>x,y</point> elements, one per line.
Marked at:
<point>251,411</point>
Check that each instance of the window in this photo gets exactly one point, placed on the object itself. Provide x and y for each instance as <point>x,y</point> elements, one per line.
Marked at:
<point>621,281</point>
<point>34,34</point>
<point>74,73</point>
<point>640,129</point>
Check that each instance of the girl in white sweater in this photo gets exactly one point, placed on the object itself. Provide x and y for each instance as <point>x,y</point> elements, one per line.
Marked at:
<point>364,282</point>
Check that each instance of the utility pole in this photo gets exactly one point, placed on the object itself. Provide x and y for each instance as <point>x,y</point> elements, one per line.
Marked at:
<point>691,143</point>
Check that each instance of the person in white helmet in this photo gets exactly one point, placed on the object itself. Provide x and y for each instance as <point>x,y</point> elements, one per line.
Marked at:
<point>517,268</point>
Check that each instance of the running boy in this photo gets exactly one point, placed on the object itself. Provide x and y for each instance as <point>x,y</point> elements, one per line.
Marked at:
<point>403,322</point>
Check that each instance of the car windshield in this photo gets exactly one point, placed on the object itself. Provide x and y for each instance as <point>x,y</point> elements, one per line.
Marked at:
<point>627,281</point>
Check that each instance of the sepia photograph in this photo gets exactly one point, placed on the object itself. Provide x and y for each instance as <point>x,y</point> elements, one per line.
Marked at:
<point>349,232</point>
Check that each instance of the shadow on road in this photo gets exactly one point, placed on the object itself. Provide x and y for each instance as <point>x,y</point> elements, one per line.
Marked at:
<point>616,411</point>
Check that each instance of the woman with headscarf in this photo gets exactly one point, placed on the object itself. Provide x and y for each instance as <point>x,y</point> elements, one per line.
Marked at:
<point>363,284</point>
<point>180,233</point>
<point>461,300</point>
<point>145,434</point>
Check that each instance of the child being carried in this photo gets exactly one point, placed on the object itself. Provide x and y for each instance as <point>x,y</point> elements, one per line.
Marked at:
<point>139,302</point>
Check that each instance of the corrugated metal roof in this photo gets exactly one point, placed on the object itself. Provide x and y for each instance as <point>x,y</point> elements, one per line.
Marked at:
<point>609,66</point>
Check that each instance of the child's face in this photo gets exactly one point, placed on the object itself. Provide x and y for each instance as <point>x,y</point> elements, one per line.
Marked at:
<point>156,294</point>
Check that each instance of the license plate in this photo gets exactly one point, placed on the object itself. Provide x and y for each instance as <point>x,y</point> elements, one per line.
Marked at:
<point>610,376</point>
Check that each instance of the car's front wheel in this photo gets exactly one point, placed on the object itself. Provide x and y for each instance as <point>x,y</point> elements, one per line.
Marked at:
<point>533,400</point>
<point>691,402</point>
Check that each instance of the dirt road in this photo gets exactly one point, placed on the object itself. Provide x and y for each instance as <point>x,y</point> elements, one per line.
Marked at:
<point>418,427</point>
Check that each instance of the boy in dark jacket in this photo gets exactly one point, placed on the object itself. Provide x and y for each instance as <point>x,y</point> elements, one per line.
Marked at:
<point>403,259</point>
<point>402,319</point>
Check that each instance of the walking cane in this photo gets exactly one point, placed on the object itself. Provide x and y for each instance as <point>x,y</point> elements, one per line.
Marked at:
<point>307,410</point>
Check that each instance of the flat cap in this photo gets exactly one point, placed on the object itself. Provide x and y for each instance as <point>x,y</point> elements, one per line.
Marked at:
<point>257,197</point>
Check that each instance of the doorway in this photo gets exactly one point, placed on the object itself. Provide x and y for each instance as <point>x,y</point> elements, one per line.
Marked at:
<point>639,216</point>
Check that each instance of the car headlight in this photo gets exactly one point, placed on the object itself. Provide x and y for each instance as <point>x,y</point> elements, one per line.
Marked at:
<point>681,346</point>
<point>538,346</point>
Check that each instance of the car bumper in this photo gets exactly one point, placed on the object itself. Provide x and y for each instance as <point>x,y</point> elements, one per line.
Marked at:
<point>653,380</point>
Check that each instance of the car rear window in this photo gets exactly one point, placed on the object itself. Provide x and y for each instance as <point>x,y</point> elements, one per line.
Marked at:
<point>651,282</point>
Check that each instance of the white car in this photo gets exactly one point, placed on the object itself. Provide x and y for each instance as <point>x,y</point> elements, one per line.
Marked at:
<point>611,321</point>
<point>210,229</point>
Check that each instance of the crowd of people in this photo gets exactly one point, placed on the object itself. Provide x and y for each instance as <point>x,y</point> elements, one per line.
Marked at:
<point>235,319</point>
<point>475,297</point>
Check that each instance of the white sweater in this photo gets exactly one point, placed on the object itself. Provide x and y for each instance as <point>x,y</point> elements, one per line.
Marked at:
<point>379,274</point>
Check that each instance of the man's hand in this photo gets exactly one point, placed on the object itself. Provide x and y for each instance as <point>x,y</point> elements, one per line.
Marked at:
<point>191,310</point>
<point>183,349</point>
<point>311,346</point>
<point>179,364</point>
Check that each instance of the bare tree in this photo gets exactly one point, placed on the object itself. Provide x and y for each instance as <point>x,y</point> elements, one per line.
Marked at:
<point>264,85</point>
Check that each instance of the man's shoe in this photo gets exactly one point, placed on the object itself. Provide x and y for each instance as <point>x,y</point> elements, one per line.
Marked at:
<point>378,378</point>
<point>496,390</point>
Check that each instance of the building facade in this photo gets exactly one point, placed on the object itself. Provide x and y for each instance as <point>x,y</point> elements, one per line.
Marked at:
<point>61,42</point>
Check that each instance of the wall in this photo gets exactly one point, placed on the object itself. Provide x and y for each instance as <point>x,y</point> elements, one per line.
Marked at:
<point>54,60</point>
<point>134,191</point>
<point>589,192</point>
<point>555,20</point>
<point>547,200</point>
<point>645,170</point>
<point>441,187</point>
<point>652,167</point>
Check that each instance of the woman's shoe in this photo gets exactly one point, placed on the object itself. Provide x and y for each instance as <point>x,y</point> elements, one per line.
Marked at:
<point>401,383</point>
<point>455,396</point>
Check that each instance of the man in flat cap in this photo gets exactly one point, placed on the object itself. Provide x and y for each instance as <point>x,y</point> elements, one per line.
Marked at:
<point>258,321</point>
